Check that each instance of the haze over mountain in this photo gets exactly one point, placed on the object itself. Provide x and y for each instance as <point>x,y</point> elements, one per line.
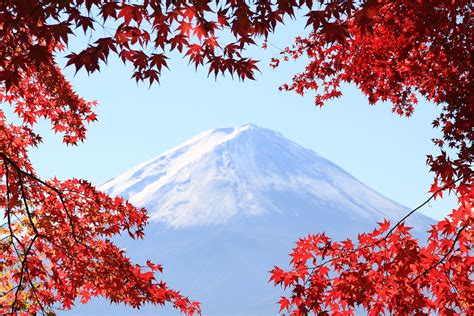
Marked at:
<point>228,204</point>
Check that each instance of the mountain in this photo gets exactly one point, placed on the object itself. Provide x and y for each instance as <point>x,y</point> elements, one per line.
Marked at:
<point>227,205</point>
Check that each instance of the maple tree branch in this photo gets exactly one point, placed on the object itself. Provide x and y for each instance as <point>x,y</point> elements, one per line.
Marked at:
<point>274,46</point>
<point>35,293</point>
<point>57,191</point>
<point>445,256</point>
<point>451,282</point>
<point>23,256</point>
<point>13,236</point>
<point>9,221</point>
<point>22,272</point>
<point>23,195</point>
<point>9,224</point>
<point>396,225</point>
<point>37,234</point>
<point>432,196</point>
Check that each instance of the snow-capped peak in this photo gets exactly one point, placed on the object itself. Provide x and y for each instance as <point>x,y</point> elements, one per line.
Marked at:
<point>233,173</point>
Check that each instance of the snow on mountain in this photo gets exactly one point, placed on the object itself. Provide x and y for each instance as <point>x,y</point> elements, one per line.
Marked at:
<point>223,174</point>
<point>228,204</point>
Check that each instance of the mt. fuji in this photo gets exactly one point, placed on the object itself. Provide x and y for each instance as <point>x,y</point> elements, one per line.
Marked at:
<point>230,173</point>
<point>228,204</point>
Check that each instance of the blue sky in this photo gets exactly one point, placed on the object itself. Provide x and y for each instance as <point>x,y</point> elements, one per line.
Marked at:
<point>136,123</point>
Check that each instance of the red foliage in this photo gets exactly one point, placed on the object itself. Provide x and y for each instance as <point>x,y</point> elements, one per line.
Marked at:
<point>392,50</point>
<point>55,240</point>
<point>55,244</point>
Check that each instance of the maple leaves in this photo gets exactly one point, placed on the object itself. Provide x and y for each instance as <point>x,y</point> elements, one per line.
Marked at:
<point>55,246</point>
<point>134,30</point>
<point>57,249</point>
<point>386,272</point>
<point>55,238</point>
<point>392,50</point>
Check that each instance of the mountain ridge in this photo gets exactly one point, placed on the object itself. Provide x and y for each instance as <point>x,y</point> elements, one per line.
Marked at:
<point>236,169</point>
<point>215,247</point>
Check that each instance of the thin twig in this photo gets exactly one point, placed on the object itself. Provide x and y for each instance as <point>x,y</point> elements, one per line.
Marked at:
<point>22,272</point>
<point>57,191</point>
<point>443,258</point>
<point>396,225</point>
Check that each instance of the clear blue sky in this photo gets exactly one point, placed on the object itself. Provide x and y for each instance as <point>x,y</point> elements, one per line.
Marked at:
<point>136,123</point>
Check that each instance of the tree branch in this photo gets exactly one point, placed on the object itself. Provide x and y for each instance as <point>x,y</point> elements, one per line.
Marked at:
<point>57,191</point>
<point>444,256</point>
<point>396,225</point>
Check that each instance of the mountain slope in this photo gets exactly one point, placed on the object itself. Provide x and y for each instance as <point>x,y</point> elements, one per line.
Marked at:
<point>229,173</point>
<point>228,204</point>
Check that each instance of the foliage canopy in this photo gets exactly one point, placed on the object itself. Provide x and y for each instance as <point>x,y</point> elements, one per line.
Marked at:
<point>56,238</point>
